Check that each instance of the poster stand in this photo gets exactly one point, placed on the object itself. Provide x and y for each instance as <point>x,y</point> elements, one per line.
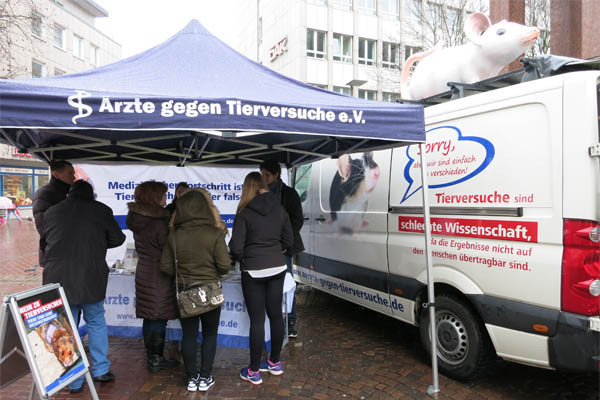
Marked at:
<point>38,335</point>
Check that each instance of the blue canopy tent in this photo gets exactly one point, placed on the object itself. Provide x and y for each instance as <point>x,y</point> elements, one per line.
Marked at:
<point>193,100</point>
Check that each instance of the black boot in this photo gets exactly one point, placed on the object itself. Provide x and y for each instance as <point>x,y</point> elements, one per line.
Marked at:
<point>147,339</point>
<point>166,362</point>
<point>156,361</point>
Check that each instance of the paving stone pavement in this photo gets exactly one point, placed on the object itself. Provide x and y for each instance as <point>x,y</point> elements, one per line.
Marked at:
<point>343,351</point>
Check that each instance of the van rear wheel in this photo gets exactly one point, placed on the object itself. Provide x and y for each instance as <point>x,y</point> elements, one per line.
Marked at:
<point>462,345</point>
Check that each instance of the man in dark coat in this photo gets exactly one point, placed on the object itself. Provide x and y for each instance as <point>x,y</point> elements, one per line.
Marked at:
<point>77,232</point>
<point>271,173</point>
<point>63,175</point>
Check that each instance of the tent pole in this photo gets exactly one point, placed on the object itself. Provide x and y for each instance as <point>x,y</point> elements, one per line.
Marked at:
<point>435,388</point>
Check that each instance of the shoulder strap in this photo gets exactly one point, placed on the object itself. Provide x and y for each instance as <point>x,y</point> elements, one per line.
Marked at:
<point>175,257</point>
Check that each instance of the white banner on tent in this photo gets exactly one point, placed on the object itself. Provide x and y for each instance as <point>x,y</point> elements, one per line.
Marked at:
<point>114,185</point>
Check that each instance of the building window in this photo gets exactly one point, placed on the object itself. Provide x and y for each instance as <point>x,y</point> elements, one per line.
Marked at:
<point>94,51</point>
<point>19,186</point>
<point>342,48</point>
<point>390,9</point>
<point>78,46</point>
<point>411,10</point>
<point>38,69</point>
<point>342,90</point>
<point>58,72</point>
<point>342,4</point>
<point>59,37</point>
<point>389,97</point>
<point>367,94</point>
<point>410,50</point>
<point>367,7</point>
<point>37,26</point>
<point>318,2</point>
<point>366,51</point>
<point>389,55</point>
<point>315,44</point>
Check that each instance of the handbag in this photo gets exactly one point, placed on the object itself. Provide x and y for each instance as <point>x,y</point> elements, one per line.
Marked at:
<point>198,299</point>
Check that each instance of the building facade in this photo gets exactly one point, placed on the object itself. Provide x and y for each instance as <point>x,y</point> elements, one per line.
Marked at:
<point>355,47</point>
<point>55,38</point>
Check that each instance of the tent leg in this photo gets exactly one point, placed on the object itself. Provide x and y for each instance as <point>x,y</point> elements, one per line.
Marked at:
<point>435,388</point>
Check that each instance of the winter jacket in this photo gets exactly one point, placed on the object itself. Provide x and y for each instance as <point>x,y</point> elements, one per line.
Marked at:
<point>293,206</point>
<point>261,232</point>
<point>199,245</point>
<point>48,195</point>
<point>77,233</point>
<point>154,291</point>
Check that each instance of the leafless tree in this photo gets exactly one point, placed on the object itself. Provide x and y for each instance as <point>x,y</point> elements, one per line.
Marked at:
<point>441,20</point>
<point>16,20</point>
<point>537,13</point>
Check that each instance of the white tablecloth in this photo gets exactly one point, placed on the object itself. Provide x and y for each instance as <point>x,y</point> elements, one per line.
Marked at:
<point>235,324</point>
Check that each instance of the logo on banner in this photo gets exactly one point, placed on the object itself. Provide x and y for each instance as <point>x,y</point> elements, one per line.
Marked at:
<point>77,101</point>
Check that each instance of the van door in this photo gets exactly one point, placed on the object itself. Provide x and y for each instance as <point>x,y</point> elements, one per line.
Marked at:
<point>304,185</point>
<point>349,228</point>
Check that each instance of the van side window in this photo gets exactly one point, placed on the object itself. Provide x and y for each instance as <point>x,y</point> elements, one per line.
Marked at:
<point>302,181</point>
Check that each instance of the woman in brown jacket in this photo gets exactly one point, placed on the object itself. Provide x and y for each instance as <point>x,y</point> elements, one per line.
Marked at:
<point>198,242</point>
<point>155,291</point>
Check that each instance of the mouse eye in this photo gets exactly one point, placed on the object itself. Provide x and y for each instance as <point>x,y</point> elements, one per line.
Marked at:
<point>500,31</point>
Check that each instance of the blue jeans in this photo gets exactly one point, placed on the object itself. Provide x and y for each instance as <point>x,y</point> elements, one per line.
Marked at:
<point>292,315</point>
<point>14,212</point>
<point>93,314</point>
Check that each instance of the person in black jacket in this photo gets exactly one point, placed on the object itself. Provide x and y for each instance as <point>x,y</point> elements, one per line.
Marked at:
<point>77,232</point>
<point>271,173</point>
<point>55,191</point>
<point>261,235</point>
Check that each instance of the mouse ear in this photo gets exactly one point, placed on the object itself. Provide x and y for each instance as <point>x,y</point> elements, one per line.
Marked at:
<point>344,165</point>
<point>475,26</point>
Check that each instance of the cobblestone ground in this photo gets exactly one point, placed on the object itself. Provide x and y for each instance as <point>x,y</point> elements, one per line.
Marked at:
<point>342,352</point>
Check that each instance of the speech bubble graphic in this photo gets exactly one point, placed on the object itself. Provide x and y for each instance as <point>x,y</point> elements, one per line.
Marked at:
<point>451,159</point>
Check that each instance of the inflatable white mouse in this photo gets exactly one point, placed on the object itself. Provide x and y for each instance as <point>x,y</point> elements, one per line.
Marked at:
<point>490,48</point>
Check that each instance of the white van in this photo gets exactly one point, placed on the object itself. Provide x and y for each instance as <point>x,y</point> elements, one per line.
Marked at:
<point>514,191</point>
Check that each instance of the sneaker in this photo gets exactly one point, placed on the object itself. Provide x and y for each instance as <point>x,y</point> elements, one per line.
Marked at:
<point>252,377</point>
<point>193,383</point>
<point>292,331</point>
<point>205,383</point>
<point>273,368</point>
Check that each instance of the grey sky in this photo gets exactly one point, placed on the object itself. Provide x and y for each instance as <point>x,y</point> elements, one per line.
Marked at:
<point>141,24</point>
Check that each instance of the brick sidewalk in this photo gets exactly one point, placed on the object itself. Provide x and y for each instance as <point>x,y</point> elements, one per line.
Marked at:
<point>343,352</point>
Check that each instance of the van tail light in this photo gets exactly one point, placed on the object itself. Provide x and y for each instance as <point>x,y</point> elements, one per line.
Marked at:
<point>581,267</point>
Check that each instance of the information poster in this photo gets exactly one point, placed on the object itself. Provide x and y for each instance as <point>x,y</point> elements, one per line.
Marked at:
<point>52,346</point>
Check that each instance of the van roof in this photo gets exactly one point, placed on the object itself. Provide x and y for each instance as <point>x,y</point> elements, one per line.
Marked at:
<point>533,68</point>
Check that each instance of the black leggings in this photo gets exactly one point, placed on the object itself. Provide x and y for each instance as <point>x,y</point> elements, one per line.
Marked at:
<point>262,294</point>
<point>189,343</point>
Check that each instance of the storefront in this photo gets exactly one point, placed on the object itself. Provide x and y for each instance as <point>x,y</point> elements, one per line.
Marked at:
<point>21,175</point>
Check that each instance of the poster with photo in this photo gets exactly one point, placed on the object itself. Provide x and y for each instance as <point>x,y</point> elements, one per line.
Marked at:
<point>52,344</point>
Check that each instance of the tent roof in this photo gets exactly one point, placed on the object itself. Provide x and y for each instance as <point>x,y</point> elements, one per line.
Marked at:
<point>193,99</point>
